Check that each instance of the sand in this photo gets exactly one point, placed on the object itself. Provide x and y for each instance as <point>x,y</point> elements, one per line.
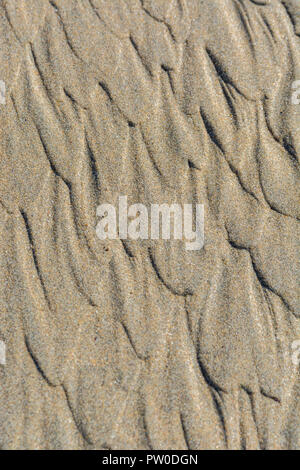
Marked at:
<point>142,344</point>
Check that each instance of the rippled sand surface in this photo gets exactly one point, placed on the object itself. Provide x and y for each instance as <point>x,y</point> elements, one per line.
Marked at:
<point>123,344</point>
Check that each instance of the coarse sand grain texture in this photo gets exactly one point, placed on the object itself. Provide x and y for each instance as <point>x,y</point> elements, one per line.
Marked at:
<point>120,343</point>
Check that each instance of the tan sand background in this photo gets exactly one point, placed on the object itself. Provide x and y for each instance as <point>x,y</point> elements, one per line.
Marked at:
<point>142,344</point>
